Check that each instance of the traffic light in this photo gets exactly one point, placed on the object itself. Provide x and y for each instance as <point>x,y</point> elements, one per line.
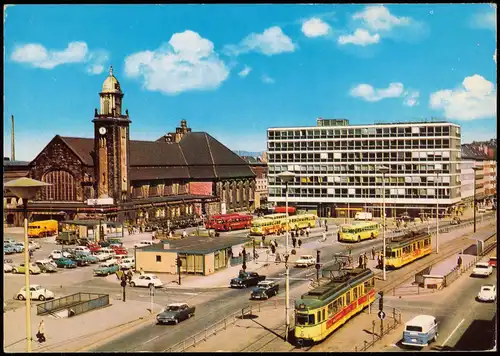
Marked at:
<point>317,256</point>
<point>381,301</point>
<point>179,262</point>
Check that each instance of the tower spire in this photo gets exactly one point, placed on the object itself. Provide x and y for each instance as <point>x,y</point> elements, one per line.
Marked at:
<point>110,70</point>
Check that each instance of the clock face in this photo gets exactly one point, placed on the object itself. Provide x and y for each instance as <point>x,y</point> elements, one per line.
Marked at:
<point>102,130</point>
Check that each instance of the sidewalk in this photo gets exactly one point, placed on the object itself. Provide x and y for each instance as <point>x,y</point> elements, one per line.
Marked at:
<point>69,334</point>
<point>443,268</point>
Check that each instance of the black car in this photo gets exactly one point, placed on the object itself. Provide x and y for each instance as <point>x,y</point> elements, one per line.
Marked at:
<point>175,312</point>
<point>246,279</point>
<point>265,290</point>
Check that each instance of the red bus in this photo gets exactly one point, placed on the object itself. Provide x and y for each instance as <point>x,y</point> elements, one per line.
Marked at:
<point>210,224</point>
<point>282,209</point>
<point>232,222</point>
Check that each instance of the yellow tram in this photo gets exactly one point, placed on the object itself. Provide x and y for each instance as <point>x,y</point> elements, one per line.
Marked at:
<point>407,248</point>
<point>324,309</point>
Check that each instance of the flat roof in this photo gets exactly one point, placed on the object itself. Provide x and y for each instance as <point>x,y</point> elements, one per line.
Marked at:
<point>409,123</point>
<point>90,222</point>
<point>197,244</point>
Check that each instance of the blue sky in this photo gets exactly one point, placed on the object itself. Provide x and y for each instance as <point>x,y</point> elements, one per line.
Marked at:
<point>235,70</point>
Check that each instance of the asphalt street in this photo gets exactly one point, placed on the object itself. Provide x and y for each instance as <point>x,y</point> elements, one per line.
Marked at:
<point>465,324</point>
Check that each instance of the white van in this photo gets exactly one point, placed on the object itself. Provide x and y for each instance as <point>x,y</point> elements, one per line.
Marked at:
<point>363,216</point>
<point>420,331</point>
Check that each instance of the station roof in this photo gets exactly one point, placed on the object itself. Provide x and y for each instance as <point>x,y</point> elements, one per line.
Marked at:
<point>200,245</point>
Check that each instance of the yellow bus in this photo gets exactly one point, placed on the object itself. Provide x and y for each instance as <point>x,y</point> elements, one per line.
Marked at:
<point>359,231</point>
<point>324,309</point>
<point>43,228</point>
<point>266,227</point>
<point>301,221</point>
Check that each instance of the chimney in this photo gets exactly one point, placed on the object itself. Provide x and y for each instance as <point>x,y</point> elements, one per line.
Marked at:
<point>12,143</point>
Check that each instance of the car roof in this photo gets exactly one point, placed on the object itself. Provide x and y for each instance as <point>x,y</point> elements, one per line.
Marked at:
<point>421,320</point>
<point>266,282</point>
<point>493,258</point>
<point>482,264</point>
<point>176,304</point>
<point>149,275</point>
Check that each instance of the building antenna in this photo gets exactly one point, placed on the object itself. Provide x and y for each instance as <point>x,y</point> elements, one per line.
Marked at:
<point>12,142</point>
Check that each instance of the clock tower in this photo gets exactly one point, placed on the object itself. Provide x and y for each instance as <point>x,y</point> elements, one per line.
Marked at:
<point>111,143</point>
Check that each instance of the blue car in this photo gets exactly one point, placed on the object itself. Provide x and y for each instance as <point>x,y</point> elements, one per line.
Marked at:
<point>17,248</point>
<point>65,263</point>
<point>8,250</point>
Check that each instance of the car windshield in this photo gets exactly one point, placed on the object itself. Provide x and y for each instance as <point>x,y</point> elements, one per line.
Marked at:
<point>481,266</point>
<point>172,308</point>
<point>486,289</point>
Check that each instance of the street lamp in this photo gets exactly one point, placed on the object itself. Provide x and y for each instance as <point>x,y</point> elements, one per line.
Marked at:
<point>475,169</point>
<point>437,171</point>
<point>26,188</point>
<point>287,177</point>
<point>383,170</point>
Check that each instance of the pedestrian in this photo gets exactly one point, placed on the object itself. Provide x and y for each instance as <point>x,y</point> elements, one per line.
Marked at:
<point>338,235</point>
<point>292,234</point>
<point>141,271</point>
<point>365,260</point>
<point>373,253</point>
<point>294,241</point>
<point>184,234</point>
<point>300,242</point>
<point>307,232</point>
<point>459,261</point>
<point>326,227</point>
<point>129,275</point>
<point>360,260</point>
<point>275,243</point>
<point>31,254</point>
<point>41,332</point>
<point>323,239</point>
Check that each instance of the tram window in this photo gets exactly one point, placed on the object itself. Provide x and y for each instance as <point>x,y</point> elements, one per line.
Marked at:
<point>367,286</point>
<point>302,319</point>
<point>311,319</point>
<point>330,309</point>
<point>324,313</point>
<point>348,298</point>
<point>355,293</point>
<point>319,316</point>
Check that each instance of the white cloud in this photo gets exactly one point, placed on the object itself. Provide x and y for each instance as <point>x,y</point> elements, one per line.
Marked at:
<point>378,18</point>
<point>360,37</point>
<point>187,62</point>
<point>475,99</point>
<point>38,56</point>
<point>268,80</point>
<point>245,72</point>
<point>485,20</point>
<point>368,93</point>
<point>315,27</point>
<point>272,41</point>
<point>411,97</point>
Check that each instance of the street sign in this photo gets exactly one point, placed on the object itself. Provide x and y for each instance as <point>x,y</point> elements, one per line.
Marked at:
<point>381,315</point>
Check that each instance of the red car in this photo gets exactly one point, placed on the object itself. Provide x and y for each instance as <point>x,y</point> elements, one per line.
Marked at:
<point>93,247</point>
<point>493,262</point>
<point>120,250</point>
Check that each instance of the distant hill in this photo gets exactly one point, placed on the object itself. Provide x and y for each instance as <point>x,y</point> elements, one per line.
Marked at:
<point>247,153</point>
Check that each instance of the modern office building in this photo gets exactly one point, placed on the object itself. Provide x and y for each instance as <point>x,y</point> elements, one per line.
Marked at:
<point>337,166</point>
<point>472,156</point>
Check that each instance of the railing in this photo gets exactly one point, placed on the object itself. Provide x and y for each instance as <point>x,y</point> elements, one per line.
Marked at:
<point>391,323</point>
<point>78,302</point>
<point>222,324</point>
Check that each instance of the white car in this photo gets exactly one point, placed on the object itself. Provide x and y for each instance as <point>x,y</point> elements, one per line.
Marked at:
<point>57,254</point>
<point>7,267</point>
<point>103,255</point>
<point>488,293</point>
<point>108,250</point>
<point>82,250</point>
<point>35,245</point>
<point>482,269</point>
<point>37,292</point>
<point>146,280</point>
<point>47,261</point>
<point>143,243</point>
<point>127,263</point>
<point>305,261</point>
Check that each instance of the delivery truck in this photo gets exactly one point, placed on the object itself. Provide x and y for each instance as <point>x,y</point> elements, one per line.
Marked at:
<point>43,228</point>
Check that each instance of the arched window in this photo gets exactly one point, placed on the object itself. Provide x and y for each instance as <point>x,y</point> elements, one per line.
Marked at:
<point>63,186</point>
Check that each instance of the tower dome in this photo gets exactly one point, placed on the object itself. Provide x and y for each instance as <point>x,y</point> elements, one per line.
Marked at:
<point>111,84</point>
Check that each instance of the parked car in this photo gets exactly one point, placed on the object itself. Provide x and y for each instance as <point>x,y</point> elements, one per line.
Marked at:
<point>265,290</point>
<point>46,266</point>
<point>57,254</point>
<point>9,241</point>
<point>305,261</point>
<point>482,269</point>
<point>33,269</point>
<point>93,247</point>
<point>127,263</point>
<point>104,243</point>
<point>488,293</point>
<point>65,263</point>
<point>493,262</point>
<point>16,247</point>
<point>108,250</point>
<point>175,312</point>
<point>7,267</point>
<point>102,256</point>
<point>80,260</point>
<point>106,268</point>
<point>8,249</point>
<point>82,250</point>
<point>89,258</point>
<point>47,260</point>
<point>146,280</point>
<point>246,279</point>
<point>143,243</point>
<point>119,250</point>
<point>83,241</point>
<point>37,292</point>
<point>35,245</point>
